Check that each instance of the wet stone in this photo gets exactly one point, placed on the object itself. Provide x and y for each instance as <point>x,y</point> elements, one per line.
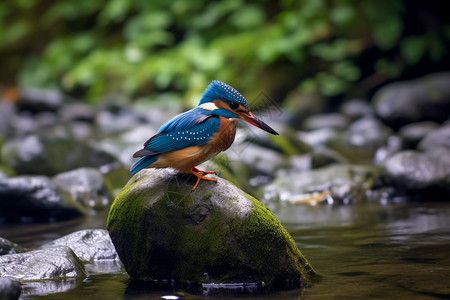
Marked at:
<point>9,289</point>
<point>422,99</point>
<point>357,144</point>
<point>7,114</point>
<point>2,174</point>
<point>427,173</point>
<point>414,132</point>
<point>163,231</point>
<point>125,144</point>
<point>46,263</point>
<point>438,137</point>
<point>38,100</point>
<point>8,247</point>
<point>87,186</point>
<point>393,145</point>
<point>110,122</point>
<point>50,155</point>
<point>35,198</point>
<point>77,112</point>
<point>335,120</point>
<point>356,108</point>
<point>334,184</point>
<point>89,245</point>
<point>369,132</point>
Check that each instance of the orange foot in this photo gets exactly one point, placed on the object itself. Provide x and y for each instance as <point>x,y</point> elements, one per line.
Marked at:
<point>199,176</point>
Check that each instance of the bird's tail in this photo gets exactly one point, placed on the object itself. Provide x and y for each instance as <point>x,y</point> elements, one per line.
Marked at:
<point>142,163</point>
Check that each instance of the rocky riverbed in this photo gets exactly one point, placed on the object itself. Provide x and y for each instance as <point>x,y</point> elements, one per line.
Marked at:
<point>62,159</point>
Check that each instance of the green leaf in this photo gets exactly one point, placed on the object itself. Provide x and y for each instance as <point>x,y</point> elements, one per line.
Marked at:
<point>248,17</point>
<point>413,48</point>
<point>347,70</point>
<point>387,32</point>
<point>331,85</point>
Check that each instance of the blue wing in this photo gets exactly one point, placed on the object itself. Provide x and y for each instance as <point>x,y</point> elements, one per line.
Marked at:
<point>192,128</point>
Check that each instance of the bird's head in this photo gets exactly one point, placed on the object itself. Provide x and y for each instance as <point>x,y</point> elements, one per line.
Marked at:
<point>223,100</point>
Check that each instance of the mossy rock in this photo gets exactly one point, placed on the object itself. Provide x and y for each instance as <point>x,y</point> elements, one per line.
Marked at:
<point>217,233</point>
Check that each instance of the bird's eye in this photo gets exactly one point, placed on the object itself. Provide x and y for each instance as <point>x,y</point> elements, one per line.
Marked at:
<point>233,105</point>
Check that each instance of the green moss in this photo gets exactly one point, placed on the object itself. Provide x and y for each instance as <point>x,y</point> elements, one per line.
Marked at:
<point>123,228</point>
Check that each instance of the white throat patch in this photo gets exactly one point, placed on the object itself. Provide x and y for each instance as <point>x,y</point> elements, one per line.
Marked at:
<point>208,106</point>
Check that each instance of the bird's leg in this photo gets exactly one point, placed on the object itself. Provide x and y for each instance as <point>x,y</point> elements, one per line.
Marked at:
<point>199,176</point>
<point>201,171</point>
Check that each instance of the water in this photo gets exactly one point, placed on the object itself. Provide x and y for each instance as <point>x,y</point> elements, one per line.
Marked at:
<point>363,251</point>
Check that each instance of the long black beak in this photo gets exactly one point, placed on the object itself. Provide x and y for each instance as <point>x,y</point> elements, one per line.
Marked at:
<point>250,118</point>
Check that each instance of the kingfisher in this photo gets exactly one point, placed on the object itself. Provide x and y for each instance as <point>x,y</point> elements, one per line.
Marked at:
<point>195,136</point>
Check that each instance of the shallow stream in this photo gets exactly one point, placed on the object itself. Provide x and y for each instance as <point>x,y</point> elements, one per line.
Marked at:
<point>363,251</point>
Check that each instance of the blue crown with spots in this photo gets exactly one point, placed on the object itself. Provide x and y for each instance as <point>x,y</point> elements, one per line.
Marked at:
<point>222,91</point>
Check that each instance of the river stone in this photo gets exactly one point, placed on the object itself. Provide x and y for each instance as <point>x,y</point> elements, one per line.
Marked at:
<point>89,245</point>
<point>35,198</point>
<point>8,247</point>
<point>335,120</point>
<point>9,289</point>
<point>414,171</point>
<point>38,100</point>
<point>356,145</point>
<point>422,99</point>
<point>49,155</point>
<point>47,263</point>
<point>335,184</point>
<point>439,137</point>
<point>7,115</point>
<point>217,233</point>
<point>414,132</point>
<point>86,185</point>
<point>356,108</point>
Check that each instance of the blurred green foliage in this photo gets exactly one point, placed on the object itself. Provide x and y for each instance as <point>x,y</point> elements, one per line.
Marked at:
<point>137,47</point>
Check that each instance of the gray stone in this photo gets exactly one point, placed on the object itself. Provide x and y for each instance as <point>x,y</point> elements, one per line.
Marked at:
<point>35,198</point>
<point>50,155</point>
<point>7,115</point>
<point>38,100</point>
<point>393,145</point>
<point>335,120</point>
<point>265,161</point>
<point>439,137</point>
<point>426,98</point>
<point>356,108</point>
<point>416,171</point>
<point>414,132</point>
<point>368,133</point>
<point>112,121</point>
<point>89,245</point>
<point>334,184</point>
<point>124,145</point>
<point>8,247</point>
<point>358,144</point>
<point>86,185</point>
<point>162,230</point>
<point>9,289</point>
<point>47,263</point>
<point>77,112</point>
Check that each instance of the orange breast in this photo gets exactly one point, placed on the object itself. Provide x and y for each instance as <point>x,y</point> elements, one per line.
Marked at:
<point>187,158</point>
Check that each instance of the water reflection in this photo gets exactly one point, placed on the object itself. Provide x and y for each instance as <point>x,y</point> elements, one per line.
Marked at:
<point>46,287</point>
<point>363,251</point>
<point>371,251</point>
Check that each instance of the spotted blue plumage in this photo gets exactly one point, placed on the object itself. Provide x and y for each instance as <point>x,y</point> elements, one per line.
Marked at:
<point>192,128</point>
<point>219,90</point>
